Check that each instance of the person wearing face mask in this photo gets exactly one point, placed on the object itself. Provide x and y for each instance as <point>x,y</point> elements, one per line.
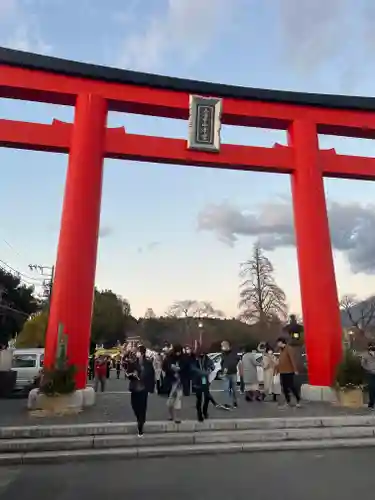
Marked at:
<point>187,358</point>
<point>287,368</point>
<point>157,362</point>
<point>172,367</point>
<point>141,375</point>
<point>368,363</point>
<point>271,380</point>
<point>201,368</point>
<point>229,364</point>
<point>250,375</point>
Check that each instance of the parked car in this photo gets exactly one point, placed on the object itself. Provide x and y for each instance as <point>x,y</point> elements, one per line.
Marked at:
<point>27,363</point>
<point>217,372</point>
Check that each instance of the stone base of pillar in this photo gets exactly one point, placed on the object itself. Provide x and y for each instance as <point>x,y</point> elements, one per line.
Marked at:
<point>63,404</point>
<point>318,393</point>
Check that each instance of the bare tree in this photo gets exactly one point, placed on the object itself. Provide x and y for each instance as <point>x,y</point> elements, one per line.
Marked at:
<point>261,299</point>
<point>182,308</point>
<point>193,311</point>
<point>360,313</point>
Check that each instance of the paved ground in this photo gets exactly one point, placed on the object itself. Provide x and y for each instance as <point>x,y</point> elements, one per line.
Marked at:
<point>114,406</point>
<point>262,476</point>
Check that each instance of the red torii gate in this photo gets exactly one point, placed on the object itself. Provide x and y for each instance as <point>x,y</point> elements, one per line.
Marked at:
<point>94,90</point>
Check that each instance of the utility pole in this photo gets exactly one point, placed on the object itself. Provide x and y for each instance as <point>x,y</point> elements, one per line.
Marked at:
<point>48,272</point>
<point>2,315</point>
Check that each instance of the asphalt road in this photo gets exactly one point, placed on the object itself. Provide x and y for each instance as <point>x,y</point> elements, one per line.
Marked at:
<point>262,476</point>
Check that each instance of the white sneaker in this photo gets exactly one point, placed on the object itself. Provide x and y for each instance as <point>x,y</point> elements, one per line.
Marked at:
<point>224,407</point>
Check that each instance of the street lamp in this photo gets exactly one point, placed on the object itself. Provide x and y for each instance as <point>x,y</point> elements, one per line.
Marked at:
<point>351,334</point>
<point>200,326</point>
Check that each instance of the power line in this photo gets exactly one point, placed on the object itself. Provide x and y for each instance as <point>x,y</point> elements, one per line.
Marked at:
<point>19,273</point>
<point>11,247</point>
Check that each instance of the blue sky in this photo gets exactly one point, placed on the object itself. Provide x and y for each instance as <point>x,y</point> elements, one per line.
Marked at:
<point>151,250</point>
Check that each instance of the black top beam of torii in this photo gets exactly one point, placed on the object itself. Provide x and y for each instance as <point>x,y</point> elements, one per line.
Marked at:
<point>27,60</point>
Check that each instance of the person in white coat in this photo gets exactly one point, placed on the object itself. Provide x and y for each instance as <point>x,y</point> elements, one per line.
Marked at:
<point>157,362</point>
<point>250,375</point>
<point>271,379</point>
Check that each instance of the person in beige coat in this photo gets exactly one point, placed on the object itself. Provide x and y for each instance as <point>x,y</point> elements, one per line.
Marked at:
<point>250,375</point>
<point>271,379</point>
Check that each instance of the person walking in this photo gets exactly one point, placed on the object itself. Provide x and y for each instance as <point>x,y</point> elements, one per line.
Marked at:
<point>368,363</point>
<point>229,364</point>
<point>141,375</point>
<point>240,372</point>
<point>100,373</point>
<point>250,375</point>
<point>201,368</point>
<point>271,379</point>
<point>287,368</point>
<point>186,360</point>
<point>109,365</point>
<point>118,367</point>
<point>172,367</point>
<point>92,367</point>
<point>157,362</point>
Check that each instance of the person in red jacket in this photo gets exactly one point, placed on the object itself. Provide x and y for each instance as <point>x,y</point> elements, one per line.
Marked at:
<point>100,373</point>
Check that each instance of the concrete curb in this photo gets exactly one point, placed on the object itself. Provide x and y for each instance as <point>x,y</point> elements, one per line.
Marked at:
<point>103,429</point>
<point>101,442</point>
<point>164,451</point>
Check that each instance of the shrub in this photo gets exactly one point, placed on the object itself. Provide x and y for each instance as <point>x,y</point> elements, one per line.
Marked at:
<point>57,381</point>
<point>61,378</point>
<point>350,374</point>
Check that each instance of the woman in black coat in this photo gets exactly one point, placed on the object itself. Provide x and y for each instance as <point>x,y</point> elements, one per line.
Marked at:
<point>141,375</point>
<point>201,368</point>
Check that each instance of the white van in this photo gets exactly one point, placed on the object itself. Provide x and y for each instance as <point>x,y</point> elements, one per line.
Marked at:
<point>27,363</point>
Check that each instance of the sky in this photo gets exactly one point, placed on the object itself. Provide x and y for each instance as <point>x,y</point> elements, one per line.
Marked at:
<point>169,232</point>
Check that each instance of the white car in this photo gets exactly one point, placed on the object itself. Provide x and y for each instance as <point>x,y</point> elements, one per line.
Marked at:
<point>216,373</point>
<point>216,357</point>
<point>27,363</point>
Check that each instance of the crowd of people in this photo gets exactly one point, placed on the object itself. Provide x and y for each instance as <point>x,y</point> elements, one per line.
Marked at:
<point>178,371</point>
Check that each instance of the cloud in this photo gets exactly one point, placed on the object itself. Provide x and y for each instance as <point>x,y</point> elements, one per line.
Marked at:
<point>352,228</point>
<point>105,231</point>
<point>19,26</point>
<point>317,33</point>
<point>150,247</point>
<point>185,28</point>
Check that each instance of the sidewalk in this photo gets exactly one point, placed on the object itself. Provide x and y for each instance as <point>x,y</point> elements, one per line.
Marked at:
<point>115,407</point>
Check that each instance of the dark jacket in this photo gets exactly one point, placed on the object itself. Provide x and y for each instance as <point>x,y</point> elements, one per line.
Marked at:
<point>201,367</point>
<point>145,373</point>
<point>171,375</point>
<point>186,361</point>
<point>229,362</point>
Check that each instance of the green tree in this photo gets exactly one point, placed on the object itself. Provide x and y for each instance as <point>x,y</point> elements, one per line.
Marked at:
<point>110,320</point>
<point>17,303</point>
<point>34,331</point>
